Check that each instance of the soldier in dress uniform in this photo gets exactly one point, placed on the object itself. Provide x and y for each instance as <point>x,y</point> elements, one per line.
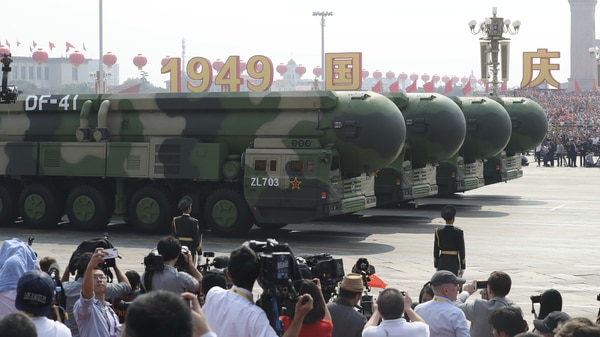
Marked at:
<point>186,228</point>
<point>449,245</point>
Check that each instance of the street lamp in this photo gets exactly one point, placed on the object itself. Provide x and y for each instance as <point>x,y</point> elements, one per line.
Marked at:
<point>492,43</point>
<point>595,53</point>
<point>100,87</point>
<point>322,15</point>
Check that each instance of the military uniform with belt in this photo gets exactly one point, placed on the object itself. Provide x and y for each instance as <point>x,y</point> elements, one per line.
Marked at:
<point>186,228</point>
<point>449,245</point>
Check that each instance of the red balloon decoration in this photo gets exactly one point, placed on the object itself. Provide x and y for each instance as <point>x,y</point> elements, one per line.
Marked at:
<point>390,74</point>
<point>76,58</point>
<point>282,69</point>
<point>218,65</point>
<point>300,70</point>
<point>414,77</point>
<point>140,61</point>
<point>365,73</point>
<point>425,77</point>
<point>403,76</point>
<point>109,59</point>
<point>436,78</point>
<point>4,50</point>
<point>40,56</point>
<point>165,60</point>
<point>317,71</point>
<point>377,74</point>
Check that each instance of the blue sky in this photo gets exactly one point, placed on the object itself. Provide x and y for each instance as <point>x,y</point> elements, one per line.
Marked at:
<point>427,36</point>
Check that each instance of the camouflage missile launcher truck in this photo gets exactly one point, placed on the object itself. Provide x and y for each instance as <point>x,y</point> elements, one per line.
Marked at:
<point>529,128</point>
<point>488,132</point>
<point>245,158</point>
<point>435,130</point>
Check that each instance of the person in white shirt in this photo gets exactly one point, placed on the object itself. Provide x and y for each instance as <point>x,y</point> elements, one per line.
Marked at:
<point>443,317</point>
<point>391,306</point>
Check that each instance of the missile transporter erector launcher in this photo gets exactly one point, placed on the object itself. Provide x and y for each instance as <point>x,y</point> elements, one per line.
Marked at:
<point>245,158</point>
<point>529,128</point>
<point>435,130</point>
<point>488,132</point>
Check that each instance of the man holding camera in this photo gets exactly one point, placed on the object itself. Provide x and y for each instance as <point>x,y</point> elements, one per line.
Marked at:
<point>498,286</point>
<point>186,228</point>
<point>392,304</point>
<point>233,312</point>
<point>347,322</point>
<point>163,274</point>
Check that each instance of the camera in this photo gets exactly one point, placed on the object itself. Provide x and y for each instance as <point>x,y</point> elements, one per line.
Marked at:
<point>536,298</point>
<point>154,261</point>
<point>366,305</point>
<point>482,284</point>
<point>328,270</point>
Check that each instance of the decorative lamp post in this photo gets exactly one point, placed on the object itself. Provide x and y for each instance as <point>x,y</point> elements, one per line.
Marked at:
<point>492,43</point>
<point>4,50</point>
<point>322,15</point>
<point>109,59</point>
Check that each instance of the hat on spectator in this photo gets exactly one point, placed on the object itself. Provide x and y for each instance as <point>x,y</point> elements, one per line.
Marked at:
<point>444,276</point>
<point>550,322</point>
<point>352,282</point>
<point>35,292</point>
<point>184,203</point>
<point>448,212</point>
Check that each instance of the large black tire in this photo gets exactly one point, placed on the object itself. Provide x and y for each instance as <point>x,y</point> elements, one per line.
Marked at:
<point>87,208</point>
<point>227,213</point>
<point>7,206</point>
<point>150,211</point>
<point>270,227</point>
<point>40,207</point>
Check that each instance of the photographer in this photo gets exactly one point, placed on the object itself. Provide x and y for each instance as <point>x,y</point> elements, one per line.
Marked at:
<point>317,322</point>
<point>391,306</point>
<point>233,312</point>
<point>163,274</point>
<point>347,322</point>
<point>478,311</point>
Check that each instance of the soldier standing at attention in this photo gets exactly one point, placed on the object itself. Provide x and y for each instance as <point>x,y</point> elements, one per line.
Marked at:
<point>186,228</point>
<point>449,245</point>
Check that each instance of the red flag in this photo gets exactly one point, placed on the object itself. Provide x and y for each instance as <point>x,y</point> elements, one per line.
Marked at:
<point>377,87</point>
<point>18,43</point>
<point>51,46</point>
<point>487,87</point>
<point>69,46</point>
<point>394,87</point>
<point>467,88</point>
<point>30,49</point>
<point>84,47</point>
<point>34,44</point>
<point>577,87</point>
<point>375,281</point>
<point>594,85</point>
<point>504,86</point>
<point>412,87</point>
<point>448,88</point>
<point>7,44</point>
<point>428,86</point>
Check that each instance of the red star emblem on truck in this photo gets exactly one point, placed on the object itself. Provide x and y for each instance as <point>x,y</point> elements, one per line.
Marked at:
<point>295,183</point>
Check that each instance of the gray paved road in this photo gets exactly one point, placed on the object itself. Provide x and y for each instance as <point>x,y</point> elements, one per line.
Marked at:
<point>542,229</point>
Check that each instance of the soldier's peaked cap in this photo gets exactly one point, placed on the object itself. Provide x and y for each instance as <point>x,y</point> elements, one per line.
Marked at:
<point>448,212</point>
<point>184,203</point>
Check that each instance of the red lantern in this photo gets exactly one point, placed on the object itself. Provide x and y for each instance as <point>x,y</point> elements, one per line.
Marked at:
<point>317,71</point>
<point>425,77</point>
<point>377,74</point>
<point>76,58</point>
<point>40,56</point>
<point>4,50</point>
<point>218,65</point>
<point>403,76</point>
<point>109,59</point>
<point>282,69</point>
<point>455,79</point>
<point>464,80</point>
<point>480,81</point>
<point>436,78</point>
<point>390,74</point>
<point>165,60</point>
<point>414,77</point>
<point>140,61</point>
<point>365,73</point>
<point>300,70</point>
<point>243,66</point>
<point>445,78</point>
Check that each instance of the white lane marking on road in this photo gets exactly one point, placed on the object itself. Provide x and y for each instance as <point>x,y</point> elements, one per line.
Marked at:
<point>557,207</point>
